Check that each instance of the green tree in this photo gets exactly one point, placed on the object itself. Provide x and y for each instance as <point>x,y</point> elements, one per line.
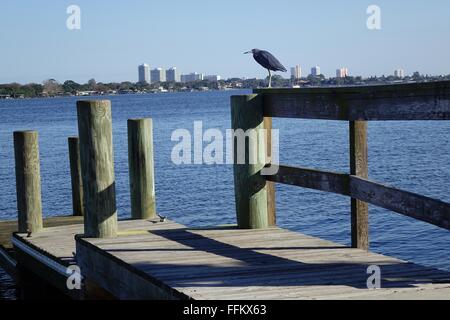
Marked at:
<point>92,84</point>
<point>71,86</point>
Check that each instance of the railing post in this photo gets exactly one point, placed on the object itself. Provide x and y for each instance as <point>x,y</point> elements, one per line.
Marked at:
<point>97,168</point>
<point>141,167</point>
<point>250,187</point>
<point>359,167</point>
<point>28,181</point>
<point>271,203</point>
<point>75,175</point>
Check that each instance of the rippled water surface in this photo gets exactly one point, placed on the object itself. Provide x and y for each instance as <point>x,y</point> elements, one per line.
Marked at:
<point>414,156</point>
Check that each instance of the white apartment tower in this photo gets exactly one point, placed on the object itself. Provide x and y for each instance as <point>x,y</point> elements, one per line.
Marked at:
<point>172,75</point>
<point>399,73</point>
<point>158,75</point>
<point>315,71</point>
<point>144,73</point>
<point>342,73</point>
<point>296,72</point>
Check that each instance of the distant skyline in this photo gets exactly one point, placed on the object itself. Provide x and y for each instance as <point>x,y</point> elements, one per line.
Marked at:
<point>210,37</point>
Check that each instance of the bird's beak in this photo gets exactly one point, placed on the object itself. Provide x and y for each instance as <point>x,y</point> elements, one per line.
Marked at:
<point>247,52</point>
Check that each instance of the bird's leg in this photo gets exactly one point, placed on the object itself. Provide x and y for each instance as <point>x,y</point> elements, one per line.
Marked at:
<point>270,79</point>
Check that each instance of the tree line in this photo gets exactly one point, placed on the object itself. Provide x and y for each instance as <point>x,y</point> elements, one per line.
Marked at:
<point>51,87</point>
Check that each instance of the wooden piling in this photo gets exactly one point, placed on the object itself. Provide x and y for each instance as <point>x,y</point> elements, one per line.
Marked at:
<point>75,174</point>
<point>28,181</point>
<point>359,167</point>
<point>250,187</point>
<point>97,168</point>
<point>271,198</point>
<point>141,167</point>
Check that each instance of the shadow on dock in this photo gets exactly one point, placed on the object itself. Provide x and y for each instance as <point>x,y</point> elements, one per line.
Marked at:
<point>257,268</point>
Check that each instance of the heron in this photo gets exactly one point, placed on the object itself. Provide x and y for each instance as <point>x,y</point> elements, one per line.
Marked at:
<point>268,61</point>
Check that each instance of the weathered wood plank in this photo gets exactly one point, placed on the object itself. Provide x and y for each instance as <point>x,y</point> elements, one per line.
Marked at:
<point>312,179</point>
<point>121,282</point>
<point>416,101</point>
<point>350,275</point>
<point>169,261</point>
<point>58,240</point>
<point>287,261</point>
<point>336,292</point>
<point>359,167</point>
<point>217,264</point>
<point>7,228</point>
<point>413,205</point>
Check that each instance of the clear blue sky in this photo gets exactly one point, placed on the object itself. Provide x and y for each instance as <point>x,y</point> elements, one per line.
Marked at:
<point>210,37</point>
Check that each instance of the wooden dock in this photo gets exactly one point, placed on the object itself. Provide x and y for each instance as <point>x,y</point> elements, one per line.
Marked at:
<point>150,257</point>
<point>7,228</point>
<point>154,260</point>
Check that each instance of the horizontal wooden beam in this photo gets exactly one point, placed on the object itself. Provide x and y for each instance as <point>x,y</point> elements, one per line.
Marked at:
<point>312,179</point>
<point>414,101</point>
<point>407,203</point>
<point>410,204</point>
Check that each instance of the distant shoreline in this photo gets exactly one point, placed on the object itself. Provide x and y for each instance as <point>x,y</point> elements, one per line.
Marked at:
<point>113,95</point>
<point>51,88</point>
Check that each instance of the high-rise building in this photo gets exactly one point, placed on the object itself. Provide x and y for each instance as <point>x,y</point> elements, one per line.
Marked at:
<point>144,73</point>
<point>172,75</point>
<point>191,77</point>
<point>212,78</point>
<point>342,73</point>
<point>158,75</point>
<point>315,71</point>
<point>399,73</point>
<point>296,72</point>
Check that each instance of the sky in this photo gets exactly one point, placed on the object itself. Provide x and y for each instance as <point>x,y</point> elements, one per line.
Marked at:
<point>210,37</point>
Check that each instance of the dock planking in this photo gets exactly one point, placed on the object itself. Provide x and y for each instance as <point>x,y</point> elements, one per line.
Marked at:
<point>50,252</point>
<point>8,227</point>
<point>153,260</point>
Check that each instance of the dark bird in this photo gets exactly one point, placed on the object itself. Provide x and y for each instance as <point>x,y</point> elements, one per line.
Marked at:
<point>268,61</point>
<point>161,218</point>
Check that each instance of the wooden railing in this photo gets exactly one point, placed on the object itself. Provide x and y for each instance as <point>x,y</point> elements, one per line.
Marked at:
<point>255,193</point>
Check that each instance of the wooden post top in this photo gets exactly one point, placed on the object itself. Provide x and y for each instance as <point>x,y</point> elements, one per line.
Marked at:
<point>414,88</point>
<point>84,102</point>
<point>25,132</point>
<point>140,120</point>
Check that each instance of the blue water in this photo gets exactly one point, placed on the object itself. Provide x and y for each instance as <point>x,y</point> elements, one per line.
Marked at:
<point>414,156</point>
